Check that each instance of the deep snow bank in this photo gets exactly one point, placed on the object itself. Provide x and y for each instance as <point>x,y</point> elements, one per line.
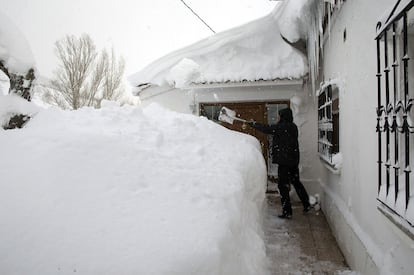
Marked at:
<point>12,104</point>
<point>130,191</point>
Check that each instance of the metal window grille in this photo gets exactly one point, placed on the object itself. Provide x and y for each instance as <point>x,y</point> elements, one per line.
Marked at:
<point>328,123</point>
<point>394,101</point>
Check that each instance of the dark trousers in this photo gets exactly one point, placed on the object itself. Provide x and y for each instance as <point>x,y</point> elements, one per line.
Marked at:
<point>290,175</point>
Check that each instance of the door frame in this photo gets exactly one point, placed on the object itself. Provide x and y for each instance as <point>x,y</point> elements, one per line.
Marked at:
<point>233,105</point>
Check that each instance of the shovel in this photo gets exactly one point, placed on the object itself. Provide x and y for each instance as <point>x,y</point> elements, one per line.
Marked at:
<point>229,116</point>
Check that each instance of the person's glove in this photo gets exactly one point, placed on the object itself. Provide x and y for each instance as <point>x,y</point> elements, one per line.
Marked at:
<point>251,122</point>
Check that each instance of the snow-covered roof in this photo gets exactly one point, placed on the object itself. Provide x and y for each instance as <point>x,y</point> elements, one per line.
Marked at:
<point>251,52</point>
<point>15,51</point>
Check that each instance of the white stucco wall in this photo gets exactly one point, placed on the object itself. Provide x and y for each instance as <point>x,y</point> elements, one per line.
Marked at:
<point>370,243</point>
<point>171,98</point>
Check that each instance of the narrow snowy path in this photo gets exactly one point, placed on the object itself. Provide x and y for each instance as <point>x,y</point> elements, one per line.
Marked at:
<point>302,245</point>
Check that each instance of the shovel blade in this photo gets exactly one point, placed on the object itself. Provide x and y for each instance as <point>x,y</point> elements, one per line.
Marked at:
<point>226,115</point>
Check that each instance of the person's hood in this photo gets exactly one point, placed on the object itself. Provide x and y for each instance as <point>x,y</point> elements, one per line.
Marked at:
<point>286,115</point>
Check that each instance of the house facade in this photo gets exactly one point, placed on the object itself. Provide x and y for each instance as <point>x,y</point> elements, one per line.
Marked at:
<point>366,85</point>
<point>353,108</point>
<point>259,101</point>
<point>249,69</point>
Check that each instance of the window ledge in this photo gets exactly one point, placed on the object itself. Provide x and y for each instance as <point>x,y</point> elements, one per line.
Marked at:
<point>330,167</point>
<point>398,221</point>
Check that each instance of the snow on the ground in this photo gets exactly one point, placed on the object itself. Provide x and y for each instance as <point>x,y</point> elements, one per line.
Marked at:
<point>294,246</point>
<point>125,190</point>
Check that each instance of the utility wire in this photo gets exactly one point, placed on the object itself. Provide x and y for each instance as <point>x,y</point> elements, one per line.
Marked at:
<point>188,7</point>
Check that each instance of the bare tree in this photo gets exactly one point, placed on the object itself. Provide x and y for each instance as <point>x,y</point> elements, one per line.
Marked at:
<point>76,57</point>
<point>84,77</point>
<point>112,78</point>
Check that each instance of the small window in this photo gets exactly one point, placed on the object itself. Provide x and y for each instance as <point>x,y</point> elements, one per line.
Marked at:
<point>211,111</point>
<point>328,123</point>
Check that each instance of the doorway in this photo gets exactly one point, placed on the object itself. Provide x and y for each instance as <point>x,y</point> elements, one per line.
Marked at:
<point>262,112</point>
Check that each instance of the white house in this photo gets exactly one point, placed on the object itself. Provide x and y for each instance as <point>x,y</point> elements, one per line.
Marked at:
<point>249,69</point>
<point>352,99</point>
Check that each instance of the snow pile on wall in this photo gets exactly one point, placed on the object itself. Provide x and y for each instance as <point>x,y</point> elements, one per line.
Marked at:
<point>292,18</point>
<point>254,51</point>
<point>4,83</point>
<point>302,20</point>
<point>11,105</point>
<point>124,190</point>
<point>15,51</point>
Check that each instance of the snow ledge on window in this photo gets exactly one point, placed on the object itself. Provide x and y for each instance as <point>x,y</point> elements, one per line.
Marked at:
<point>330,166</point>
<point>335,165</point>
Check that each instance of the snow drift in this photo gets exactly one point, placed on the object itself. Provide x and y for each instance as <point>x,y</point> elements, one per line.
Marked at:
<point>130,191</point>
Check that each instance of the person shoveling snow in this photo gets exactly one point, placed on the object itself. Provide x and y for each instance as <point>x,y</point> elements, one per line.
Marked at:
<point>285,153</point>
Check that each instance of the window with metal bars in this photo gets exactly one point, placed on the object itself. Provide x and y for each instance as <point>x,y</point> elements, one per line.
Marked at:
<point>395,93</point>
<point>328,123</point>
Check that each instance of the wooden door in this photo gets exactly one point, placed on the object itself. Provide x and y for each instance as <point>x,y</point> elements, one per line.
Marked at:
<point>249,111</point>
<point>257,111</point>
<point>263,112</point>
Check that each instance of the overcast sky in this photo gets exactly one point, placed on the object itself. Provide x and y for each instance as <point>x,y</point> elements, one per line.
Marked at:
<point>140,30</point>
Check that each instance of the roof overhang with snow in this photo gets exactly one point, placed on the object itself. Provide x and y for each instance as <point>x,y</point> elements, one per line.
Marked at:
<point>153,88</point>
<point>253,53</point>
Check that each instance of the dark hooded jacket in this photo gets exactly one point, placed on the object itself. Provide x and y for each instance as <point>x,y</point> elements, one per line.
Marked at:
<point>285,150</point>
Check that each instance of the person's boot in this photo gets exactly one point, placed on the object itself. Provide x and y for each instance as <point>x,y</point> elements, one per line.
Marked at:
<point>307,208</point>
<point>285,216</point>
